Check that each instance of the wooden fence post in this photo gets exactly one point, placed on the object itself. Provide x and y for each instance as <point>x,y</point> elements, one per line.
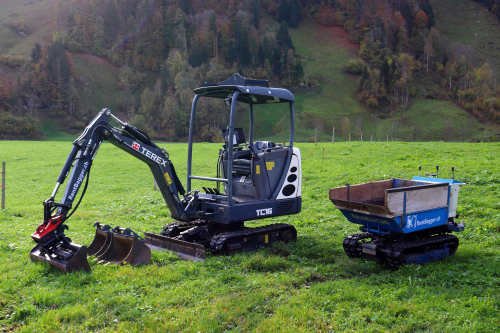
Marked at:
<point>3,185</point>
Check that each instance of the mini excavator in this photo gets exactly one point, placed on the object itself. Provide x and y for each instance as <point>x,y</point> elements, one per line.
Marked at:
<point>260,179</point>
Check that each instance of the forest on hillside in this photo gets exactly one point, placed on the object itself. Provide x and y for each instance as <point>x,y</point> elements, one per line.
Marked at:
<point>189,42</point>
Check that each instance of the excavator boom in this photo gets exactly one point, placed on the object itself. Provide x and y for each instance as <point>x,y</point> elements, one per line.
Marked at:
<point>52,245</point>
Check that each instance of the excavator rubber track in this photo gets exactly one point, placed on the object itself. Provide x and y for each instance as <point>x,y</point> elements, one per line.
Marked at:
<point>250,239</point>
<point>173,239</point>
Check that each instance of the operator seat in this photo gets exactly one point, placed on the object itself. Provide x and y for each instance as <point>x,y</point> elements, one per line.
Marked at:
<point>261,146</point>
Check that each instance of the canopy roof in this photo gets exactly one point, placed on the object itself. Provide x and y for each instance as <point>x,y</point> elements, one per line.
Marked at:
<point>251,91</point>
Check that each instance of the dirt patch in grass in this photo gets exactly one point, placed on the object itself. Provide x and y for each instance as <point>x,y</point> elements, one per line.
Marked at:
<point>96,59</point>
<point>339,36</point>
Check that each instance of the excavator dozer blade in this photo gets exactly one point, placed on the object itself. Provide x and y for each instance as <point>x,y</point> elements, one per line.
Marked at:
<point>185,250</point>
<point>127,250</point>
<point>76,258</point>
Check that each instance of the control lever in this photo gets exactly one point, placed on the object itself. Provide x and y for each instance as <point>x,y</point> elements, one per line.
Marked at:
<point>252,150</point>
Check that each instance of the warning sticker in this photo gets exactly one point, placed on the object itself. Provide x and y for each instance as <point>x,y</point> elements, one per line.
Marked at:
<point>257,169</point>
<point>167,177</point>
<point>269,165</point>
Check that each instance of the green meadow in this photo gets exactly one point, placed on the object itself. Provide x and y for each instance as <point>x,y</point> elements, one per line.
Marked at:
<point>307,286</point>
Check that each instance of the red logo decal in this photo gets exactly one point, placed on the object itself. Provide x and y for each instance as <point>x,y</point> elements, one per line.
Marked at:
<point>135,145</point>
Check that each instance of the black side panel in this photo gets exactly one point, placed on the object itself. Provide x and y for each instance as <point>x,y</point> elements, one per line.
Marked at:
<point>252,210</point>
<point>262,190</point>
<point>275,163</point>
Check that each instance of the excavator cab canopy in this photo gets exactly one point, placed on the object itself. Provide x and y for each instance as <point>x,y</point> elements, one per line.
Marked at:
<point>250,91</point>
<point>237,159</point>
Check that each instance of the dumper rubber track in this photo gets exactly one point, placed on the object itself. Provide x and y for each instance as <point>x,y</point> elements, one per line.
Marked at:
<point>395,252</point>
<point>249,239</point>
<point>352,246</point>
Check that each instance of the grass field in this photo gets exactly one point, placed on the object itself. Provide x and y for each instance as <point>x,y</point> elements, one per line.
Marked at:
<point>314,288</point>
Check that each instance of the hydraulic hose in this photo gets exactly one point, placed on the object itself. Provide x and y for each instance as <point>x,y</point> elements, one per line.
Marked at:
<point>83,193</point>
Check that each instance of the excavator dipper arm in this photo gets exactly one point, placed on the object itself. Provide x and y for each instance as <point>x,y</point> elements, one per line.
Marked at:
<point>49,235</point>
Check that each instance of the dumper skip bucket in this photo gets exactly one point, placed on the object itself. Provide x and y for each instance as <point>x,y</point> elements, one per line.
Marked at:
<point>119,246</point>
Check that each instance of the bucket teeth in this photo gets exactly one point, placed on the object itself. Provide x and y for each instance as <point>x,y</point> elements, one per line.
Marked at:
<point>119,246</point>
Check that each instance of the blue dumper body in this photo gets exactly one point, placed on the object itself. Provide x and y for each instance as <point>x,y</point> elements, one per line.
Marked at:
<point>400,211</point>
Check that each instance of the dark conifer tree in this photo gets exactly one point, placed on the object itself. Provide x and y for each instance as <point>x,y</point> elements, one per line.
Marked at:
<point>363,78</point>
<point>284,39</point>
<point>242,43</point>
<point>408,16</point>
<point>295,15</point>
<point>36,53</point>
<point>385,72</point>
<point>186,6</point>
<point>427,8</point>
<point>194,58</point>
<point>276,61</point>
<point>261,56</point>
<point>299,71</point>
<point>58,63</point>
<point>212,23</point>
<point>164,78</point>
<point>256,12</point>
<point>230,51</point>
<point>284,10</point>
<point>379,31</point>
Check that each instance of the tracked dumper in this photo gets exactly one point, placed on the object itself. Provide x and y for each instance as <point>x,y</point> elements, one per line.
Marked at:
<point>255,180</point>
<point>402,221</point>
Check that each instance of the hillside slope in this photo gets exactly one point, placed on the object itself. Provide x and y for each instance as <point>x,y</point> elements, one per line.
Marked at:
<point>327,51</point>
<point>471,24</point>
<point>25,23</point>
<point>324,52</point>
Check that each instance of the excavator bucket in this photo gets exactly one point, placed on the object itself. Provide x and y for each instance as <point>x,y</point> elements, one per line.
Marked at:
<point>119,246</point>
<point>67,258</point>
<point>185,250</point>
<point>102,239</point>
